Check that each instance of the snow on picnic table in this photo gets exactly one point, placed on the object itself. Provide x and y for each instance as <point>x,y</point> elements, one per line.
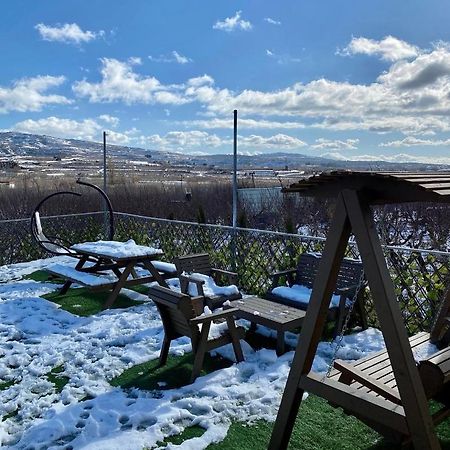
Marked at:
<point>116,249</point>
<point>36,336</point>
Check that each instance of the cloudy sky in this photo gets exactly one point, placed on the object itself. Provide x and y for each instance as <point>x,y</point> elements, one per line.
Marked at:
<point>350,79</point>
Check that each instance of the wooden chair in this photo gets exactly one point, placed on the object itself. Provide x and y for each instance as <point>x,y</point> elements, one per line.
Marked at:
<point>201,263</point>
<point>180,315</point>
<point>347,286</point>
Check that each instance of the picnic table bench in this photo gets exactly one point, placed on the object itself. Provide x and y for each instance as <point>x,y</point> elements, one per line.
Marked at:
<point>117,266</point>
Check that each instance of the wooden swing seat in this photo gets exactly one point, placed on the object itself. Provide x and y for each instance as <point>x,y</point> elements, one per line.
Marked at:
<point>373,375</point>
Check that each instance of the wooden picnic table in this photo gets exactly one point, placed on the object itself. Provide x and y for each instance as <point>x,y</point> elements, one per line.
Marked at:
<point>106,257</point>
<point>271,314</point>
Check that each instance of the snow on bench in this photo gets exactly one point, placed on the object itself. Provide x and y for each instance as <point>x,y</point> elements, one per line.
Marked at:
<point>165,267</point>
<point>72,274</point>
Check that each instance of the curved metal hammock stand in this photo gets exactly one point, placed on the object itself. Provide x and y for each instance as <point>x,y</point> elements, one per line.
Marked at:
<point>57,245</point>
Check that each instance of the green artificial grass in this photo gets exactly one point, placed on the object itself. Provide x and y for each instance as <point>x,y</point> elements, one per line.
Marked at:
<point>318,426</point>
<point>55,377</point>
<point>176,373</point>
<point>186,434</point>
<point>85,302</point>
<point>42,276</point>
<point>6,384</point>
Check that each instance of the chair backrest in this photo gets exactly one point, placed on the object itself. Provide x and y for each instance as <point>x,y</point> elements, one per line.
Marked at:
<point>199,262</point>
<point>51,246</point>
<point>308,265</point>
<point>176,310</point>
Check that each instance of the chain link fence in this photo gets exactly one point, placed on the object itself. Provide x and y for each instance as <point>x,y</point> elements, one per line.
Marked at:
<point>419,275</point>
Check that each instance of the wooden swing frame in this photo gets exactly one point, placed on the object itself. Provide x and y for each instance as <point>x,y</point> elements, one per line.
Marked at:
<point>355,192</point>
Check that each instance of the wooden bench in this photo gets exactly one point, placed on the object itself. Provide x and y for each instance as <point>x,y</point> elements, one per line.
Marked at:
<point>305,273</point>
<point>374,375</point>
<point>181,316</point>
<point>85,279</point>
<point>201,263</point>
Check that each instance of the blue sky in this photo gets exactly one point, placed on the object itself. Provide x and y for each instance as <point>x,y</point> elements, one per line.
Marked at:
<point>348,79</point>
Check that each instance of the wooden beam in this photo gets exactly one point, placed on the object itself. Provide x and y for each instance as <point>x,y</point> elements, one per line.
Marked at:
<point>386,305</point>
<point>312,328</point>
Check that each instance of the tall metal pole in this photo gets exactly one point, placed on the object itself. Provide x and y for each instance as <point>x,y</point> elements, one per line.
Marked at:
<point>104,161</point>
<point>105,184</point>
<point>235,196</point>
<point>235,191</point>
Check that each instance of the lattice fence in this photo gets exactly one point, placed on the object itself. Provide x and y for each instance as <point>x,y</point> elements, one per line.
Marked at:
<point>17,245</point>
<point>419,275</point>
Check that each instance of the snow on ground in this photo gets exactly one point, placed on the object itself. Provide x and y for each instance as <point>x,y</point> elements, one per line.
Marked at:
<point>36,336</point>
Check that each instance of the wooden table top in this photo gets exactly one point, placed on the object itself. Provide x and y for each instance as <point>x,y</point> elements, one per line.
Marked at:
<point>268,312</point>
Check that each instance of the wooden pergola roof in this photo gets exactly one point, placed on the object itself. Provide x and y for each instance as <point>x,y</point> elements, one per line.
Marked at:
<point>378,187</point>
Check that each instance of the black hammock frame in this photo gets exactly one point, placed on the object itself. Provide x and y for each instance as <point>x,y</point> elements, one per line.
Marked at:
<point>57,245</point>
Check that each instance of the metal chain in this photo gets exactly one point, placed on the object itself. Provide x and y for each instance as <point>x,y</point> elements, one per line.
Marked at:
<point>345,325</point>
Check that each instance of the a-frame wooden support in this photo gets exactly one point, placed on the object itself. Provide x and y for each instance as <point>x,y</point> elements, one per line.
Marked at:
<point>353,214</point>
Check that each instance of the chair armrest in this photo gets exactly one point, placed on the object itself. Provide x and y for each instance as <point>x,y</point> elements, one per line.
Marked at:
<point>214,316</point>
<point>277,275</point>
<point>184,284</point>
<point>282,273</point>
<point>231,276</point>
<point>347,290</point>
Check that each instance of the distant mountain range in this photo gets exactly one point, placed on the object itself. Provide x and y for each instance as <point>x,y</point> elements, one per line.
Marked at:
<point>21,145</point>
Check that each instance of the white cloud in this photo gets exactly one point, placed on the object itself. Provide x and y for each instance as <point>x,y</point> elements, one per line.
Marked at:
<point>398,158</point>
<point>193,139</point>
<point>335,144</point>
<point>429,70</point>
<point>283,58</point>
<point>411,141</point>
<point>272,21</point>
<point>389,48</point>
<point>412,97</point>
<point>120,83</point>
<point>226,123</point>
<point>87,129</point>
<point>135,60</point>
<point>233,23</point>
<point>68,33</point>
<point>29,94</point>
<point>111,120</point>
<point>278,141</point>
<point>200,81</point>
<point>181,140</point>
<point>174,57</point>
